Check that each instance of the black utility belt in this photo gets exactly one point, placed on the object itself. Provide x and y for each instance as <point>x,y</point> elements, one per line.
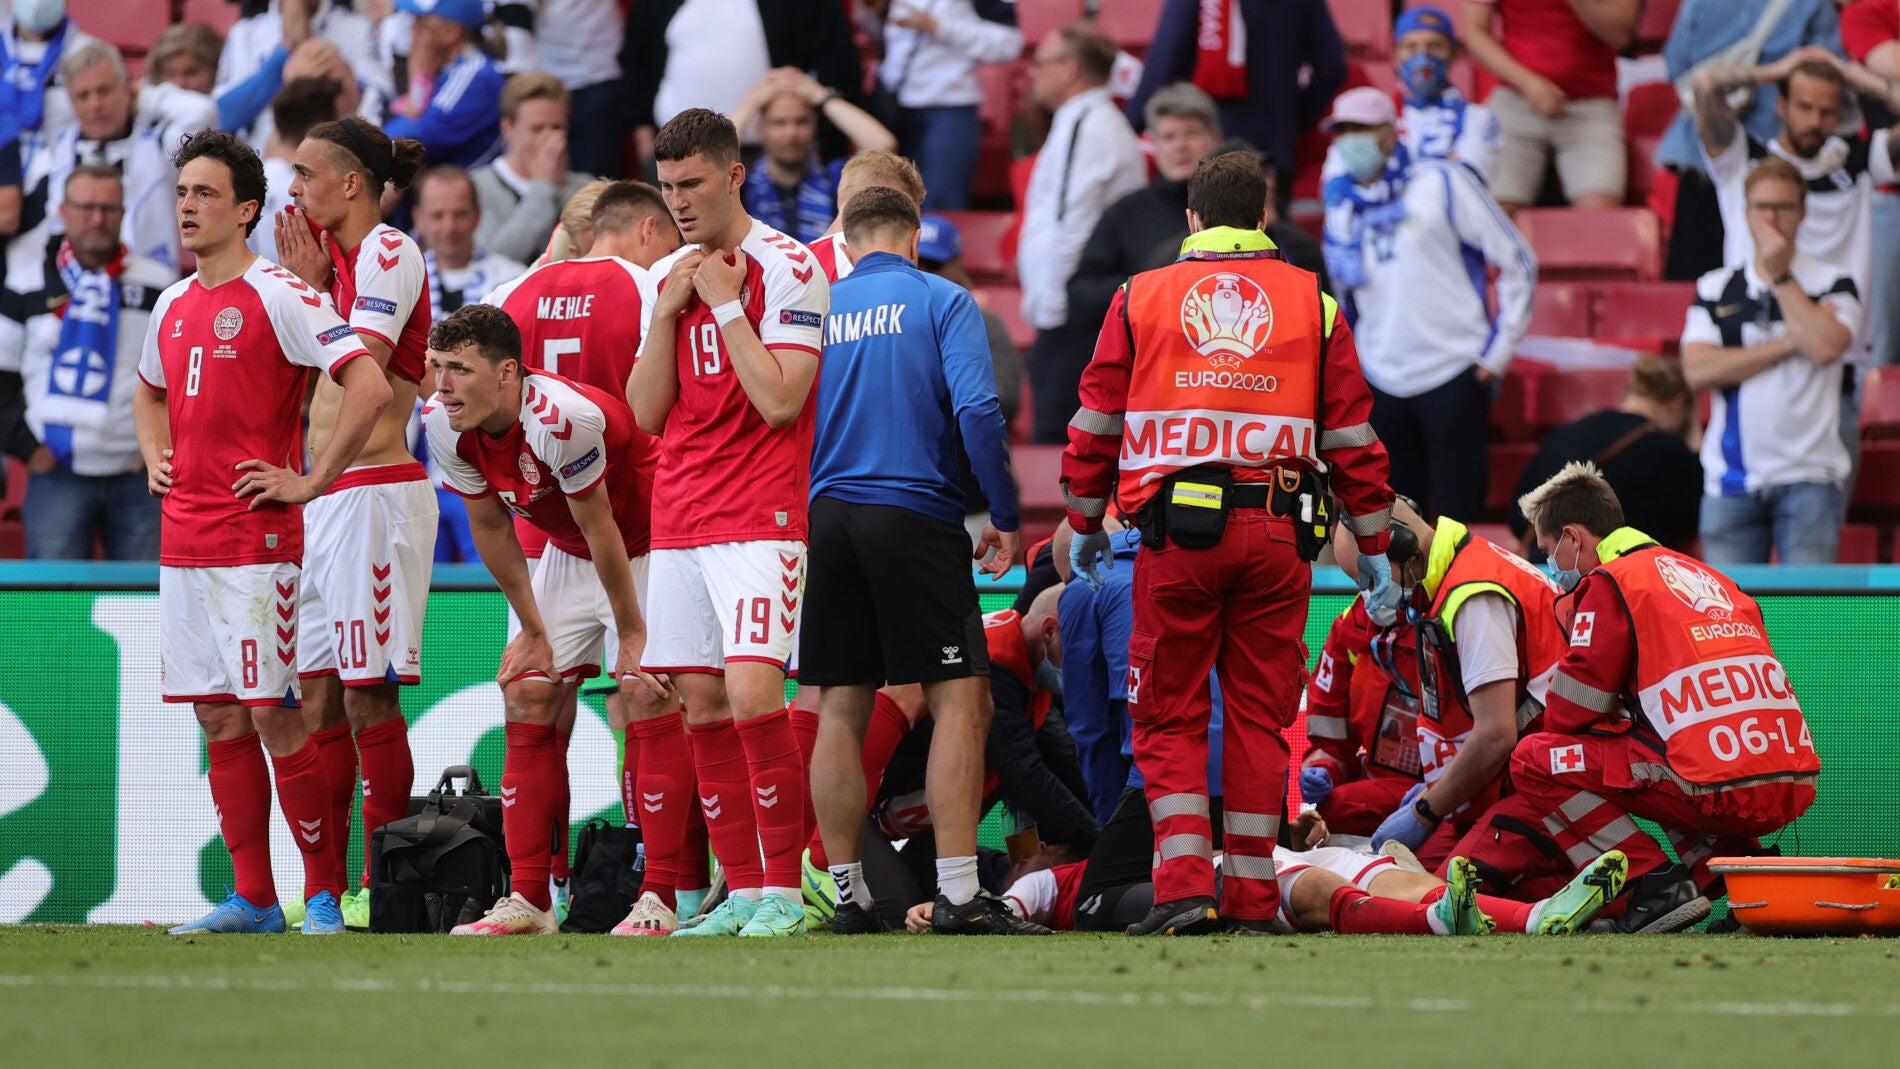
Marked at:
<point>1190,509</point>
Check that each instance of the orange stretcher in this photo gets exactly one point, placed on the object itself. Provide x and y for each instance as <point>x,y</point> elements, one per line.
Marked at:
<point>1813,895</point>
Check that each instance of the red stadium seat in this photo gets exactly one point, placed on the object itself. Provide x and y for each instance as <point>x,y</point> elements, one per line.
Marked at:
<point>983,247</point>
<point>1877,490</point>
<point>1365,24</point>
<point>1131,23</point>
<point>1561,309</point>
<point>220,15</point>
<point>1640,170</point>
<point>15,489</point>
<point>1040,18</point>
<point>1563,396</point>
<point>1647,316</point>
<point>1880,404</point>
<point>1510,412</point>
<point>1592,244</point>
<point>1653,26</point>
<point>1506,461</point>
<point>132,27</point>
<point>1651,107</point>
<point>1860,544</point>
<point>1002,86</point>
<point>1007,303</point>
<point>1039,482</point>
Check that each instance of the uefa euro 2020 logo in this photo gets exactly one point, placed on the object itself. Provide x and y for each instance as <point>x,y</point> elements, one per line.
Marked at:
<point>1695,587</point>
<point>1227,317</point>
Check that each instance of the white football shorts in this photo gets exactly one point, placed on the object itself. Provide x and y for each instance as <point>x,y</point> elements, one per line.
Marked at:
<point>229,634</point>
<point>576,614</point>
<point>735,601</point>
<point>1356,867</point>
<point>369,550</point>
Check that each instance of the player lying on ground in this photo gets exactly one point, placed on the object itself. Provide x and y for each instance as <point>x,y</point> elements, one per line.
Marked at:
<point>1330,888</point>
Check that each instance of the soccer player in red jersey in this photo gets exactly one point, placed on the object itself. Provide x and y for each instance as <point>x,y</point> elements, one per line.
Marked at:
<point>223,377</point>
<point>582,319</point>
<point>725,377</point>
<point>554,452</point>
<point>372,536</point>
<point>866,170</point>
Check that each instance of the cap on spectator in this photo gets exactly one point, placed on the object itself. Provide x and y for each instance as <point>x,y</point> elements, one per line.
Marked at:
<point>1424,18</point>
<point>939,240</point>
<point>1364,106</point>
<point>467,12</point>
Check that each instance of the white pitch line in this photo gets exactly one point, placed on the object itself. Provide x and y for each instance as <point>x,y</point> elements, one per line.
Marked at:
<point>1014,997</point>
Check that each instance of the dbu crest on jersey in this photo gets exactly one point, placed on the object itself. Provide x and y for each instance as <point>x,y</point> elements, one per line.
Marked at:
<point>528,469</point>
<point>227,324</point>
<point>1227,318</point>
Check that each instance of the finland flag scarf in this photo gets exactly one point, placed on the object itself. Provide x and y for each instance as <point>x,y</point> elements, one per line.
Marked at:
<point>79,389</point>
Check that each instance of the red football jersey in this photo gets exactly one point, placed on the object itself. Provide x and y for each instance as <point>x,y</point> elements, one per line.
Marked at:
<point>725,476</point>
<point>234,363</point>
<point>382,288</point>
<point>831,257</point>
<point>568,438</point>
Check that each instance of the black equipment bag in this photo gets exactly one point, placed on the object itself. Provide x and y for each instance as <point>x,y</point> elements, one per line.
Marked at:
<point>609,869</point>
<point>444,864</point>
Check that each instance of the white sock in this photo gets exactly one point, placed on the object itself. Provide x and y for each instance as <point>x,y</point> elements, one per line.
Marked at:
<point>1530,922</point>
<point>754,893</point>
<point>956,879</point>
<point>793,894</point>
<point>851,885</point>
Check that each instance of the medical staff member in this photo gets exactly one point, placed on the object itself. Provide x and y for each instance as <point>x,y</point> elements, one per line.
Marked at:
<point>1221,386</point>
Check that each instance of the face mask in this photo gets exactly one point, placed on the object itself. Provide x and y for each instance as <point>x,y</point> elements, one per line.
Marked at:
<point>1361,154</point>
<point>1049,678</point>
<point>1566,578</point>
<point>1424,76</point>
<point>38,16</point>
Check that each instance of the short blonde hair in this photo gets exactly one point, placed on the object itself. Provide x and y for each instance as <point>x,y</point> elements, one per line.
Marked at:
<point>530,85</point>
<point>577,217</point>
<point>1577,494</point>
<point>883,169</point>
<point>193,39</point>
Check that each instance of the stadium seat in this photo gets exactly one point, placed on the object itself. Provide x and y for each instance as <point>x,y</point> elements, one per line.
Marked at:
<point>1510,411</point>
<point>1002,86</point>
<point>1497,533</point>
<point>1366,25</point>
<point>1039,482</point>
<point>220,15</point>
<point>132,27</point>
<point>1653,26</point>
<point>1594,244</point>
<point>1506,461</point>
<point>1563,396</point>
<point>1860,544</point>
<point>1647,316</point>
<point>983,251</point>
<point>1880,404</point>
<point>1639,168</point>
<point>1561,309</point>
<point>1040,18</point>
<point>1007,303</point>
<point>1131,23</point>
<point>1650,109</point>
<point>1877,490</point>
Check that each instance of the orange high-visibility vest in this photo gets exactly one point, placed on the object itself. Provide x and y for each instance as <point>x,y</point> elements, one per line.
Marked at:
<point>1226,371</point>
<point>1707,680</point>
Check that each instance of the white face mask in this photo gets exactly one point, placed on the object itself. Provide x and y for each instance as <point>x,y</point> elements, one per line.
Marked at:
<point>1361,154</point>
<point>38,16</point>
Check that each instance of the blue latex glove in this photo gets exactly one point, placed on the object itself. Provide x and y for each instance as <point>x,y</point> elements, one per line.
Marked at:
<point>1404,825</point>
<point>1315,784</point>
<point>1382,595</point>
<point>1088,555</point>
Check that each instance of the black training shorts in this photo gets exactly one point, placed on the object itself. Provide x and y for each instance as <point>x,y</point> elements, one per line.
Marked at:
<point>888,599</point>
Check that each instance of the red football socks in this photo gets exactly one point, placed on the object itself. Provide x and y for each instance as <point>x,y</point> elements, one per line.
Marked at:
<point>530,790</point>
<point>725,789</point>
<point>665,798</point>
<point>778,786</point>
<point>630,775</point>
<point>693,870</point>
<point>389,775</point>
<point>557,864</point>
<point>887,729</point>
<point>338,753</point>
<point>1511,915</point>
<point>805,728</point>
<point>1355,912</point>
<point>303,792</point>
<point>240,788</point>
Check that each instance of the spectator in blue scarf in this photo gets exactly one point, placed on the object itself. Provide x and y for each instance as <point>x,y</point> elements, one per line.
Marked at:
<point>789,188</point>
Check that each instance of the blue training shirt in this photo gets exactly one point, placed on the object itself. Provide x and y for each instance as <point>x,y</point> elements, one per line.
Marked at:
<point>906,391</point>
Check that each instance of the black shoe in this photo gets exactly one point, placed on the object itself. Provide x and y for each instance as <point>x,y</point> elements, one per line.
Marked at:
<point>853,919</point>
<point>1665,900</point>
<point>1183,916</point>
<point>985,914</point>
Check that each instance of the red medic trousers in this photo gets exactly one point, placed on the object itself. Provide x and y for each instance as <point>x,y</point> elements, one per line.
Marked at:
<point>1239,607</point>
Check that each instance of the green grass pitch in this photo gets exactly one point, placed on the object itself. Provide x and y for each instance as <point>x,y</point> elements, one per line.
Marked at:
<point>127,996</point>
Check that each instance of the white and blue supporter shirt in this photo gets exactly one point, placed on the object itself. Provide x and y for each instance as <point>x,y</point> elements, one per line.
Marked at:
<point>1782,426</point>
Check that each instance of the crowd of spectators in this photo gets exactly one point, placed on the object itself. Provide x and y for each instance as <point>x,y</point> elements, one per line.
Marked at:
<point>1402,157</point>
